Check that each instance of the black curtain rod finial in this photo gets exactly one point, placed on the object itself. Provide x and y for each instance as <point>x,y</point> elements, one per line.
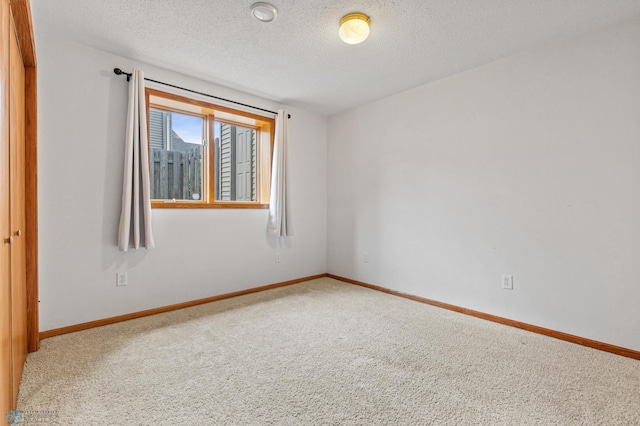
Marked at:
<point>118,71</point>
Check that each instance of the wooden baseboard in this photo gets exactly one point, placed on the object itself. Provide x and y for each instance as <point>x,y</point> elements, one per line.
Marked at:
<point>618,350</point>
<point>629,353</point>
<point>162,309</point>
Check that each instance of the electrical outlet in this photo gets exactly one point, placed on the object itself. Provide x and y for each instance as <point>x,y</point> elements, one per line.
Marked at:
<point>121,279</point>
<point>278,257</point>
<point>507,282</point>
<point>365,257</point>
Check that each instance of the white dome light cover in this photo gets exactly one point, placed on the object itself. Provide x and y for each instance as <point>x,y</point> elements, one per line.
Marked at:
<point>354,28</point>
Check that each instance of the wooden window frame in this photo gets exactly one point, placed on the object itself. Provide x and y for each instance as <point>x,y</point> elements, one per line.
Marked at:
<point>264,126</point>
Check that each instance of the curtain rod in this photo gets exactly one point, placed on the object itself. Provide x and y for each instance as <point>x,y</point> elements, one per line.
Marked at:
<point>118,71</point>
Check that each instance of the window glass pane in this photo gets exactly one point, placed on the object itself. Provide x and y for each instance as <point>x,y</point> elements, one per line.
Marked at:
<point>176,142</point>
<point>236,174</point>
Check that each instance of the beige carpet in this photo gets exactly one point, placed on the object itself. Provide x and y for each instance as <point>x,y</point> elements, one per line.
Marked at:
<point>324,353</point>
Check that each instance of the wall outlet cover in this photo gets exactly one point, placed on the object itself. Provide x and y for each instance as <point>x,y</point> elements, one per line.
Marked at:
<point>121,279</point>
<point>507,282</point>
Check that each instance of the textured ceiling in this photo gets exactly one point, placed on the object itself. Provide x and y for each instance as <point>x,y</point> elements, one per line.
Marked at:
<point>299,60</point>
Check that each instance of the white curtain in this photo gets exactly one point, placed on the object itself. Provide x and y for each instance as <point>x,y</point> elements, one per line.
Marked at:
<point>136,193</point>
<point>278,225</point>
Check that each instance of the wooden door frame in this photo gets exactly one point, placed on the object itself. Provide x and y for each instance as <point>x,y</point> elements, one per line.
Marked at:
<point>21,12</point>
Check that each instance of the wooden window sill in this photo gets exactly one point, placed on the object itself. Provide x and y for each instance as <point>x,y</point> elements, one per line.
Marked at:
<point>217,205</point>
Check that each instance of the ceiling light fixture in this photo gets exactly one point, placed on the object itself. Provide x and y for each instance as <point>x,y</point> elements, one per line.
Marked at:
<point>264,12</point>
<point>354,28</point>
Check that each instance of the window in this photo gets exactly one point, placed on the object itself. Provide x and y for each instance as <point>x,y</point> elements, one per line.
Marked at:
<point>203,155</point>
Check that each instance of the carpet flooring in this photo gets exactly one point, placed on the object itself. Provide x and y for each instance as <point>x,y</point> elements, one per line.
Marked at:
<point>323,353</point>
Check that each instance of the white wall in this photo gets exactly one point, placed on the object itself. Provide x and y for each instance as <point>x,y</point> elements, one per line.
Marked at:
<point>200,253</point>
<point>529,166</point>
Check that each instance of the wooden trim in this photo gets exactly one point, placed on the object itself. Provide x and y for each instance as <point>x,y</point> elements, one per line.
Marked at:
<point>21,10</point>
<point>31,206</point>
<point>160,204</point>
<point>6,333</point>
<point>629,353</point>
<point>210,184</point>
<point>163,309</point>
<point>618,350</point>
<point>164,108</point>
<point>255,127</point>
<point>212,106</point>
